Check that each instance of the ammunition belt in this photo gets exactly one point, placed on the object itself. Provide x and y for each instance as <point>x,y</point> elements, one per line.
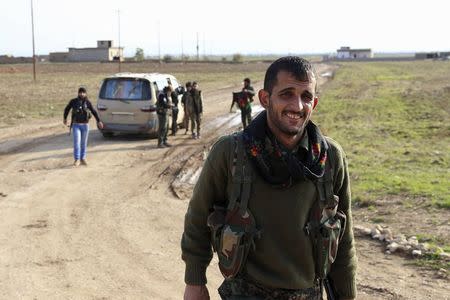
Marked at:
<point>241,287</point>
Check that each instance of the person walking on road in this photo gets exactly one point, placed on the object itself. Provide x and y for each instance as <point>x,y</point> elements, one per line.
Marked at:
<point>244,103</point>
<point>174,98</point>
<point>184,100</point>
<point>163,105</point>
<point>273,202</point>
<point>194,107</point>
<point>81,113</point>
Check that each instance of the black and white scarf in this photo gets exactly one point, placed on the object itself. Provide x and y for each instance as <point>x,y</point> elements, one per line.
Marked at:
<point>312,167</point>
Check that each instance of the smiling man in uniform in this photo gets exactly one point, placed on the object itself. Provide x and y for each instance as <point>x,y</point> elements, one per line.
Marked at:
<point>274,202</point>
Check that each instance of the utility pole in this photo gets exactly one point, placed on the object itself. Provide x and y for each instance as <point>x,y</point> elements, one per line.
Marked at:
<point>32,36</point>
<point>198,54</point>
<point>120,54</point>
<point>204,47</point>
<point>182,49</point>
<point>159,43</point>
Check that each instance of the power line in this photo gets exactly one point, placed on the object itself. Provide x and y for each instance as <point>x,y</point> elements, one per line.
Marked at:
<point>118,17</point>
<point>32,36</point>
<point>198,54</point>
<point>159,42</point>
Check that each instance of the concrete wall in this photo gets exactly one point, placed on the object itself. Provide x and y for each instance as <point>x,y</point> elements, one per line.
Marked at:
<point>59,56</point>
<point>94,54</point>
<point>116,52</point>
<point>88,54</point>
<point>354,54</point>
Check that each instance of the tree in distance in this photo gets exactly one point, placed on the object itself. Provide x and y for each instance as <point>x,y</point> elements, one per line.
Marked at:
<point>139,55</point>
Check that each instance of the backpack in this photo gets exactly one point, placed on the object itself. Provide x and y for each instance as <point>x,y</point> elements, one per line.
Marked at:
<point>241,99</point>
<point>80,112</point>
<point>234,229</point>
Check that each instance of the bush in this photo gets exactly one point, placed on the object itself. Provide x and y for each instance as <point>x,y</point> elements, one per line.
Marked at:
<point>167,58</point>
<point>238,58</point>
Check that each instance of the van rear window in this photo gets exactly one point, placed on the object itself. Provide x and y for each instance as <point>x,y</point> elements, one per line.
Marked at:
<point>125,89</point>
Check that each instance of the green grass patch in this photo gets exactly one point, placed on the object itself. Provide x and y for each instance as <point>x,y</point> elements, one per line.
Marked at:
<point>432,261</point>
<point>377,220</point>
<point>392,119</point>
<point>437,245</point>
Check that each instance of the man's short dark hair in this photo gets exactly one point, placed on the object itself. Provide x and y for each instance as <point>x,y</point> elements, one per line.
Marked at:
<point>247,80</point>
<point>81,90</point>
<point>299,67</point>
<point>188,84</point>
<point>194,83</point>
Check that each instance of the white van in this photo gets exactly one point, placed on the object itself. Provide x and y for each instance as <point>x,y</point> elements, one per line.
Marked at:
<point>127,102</point>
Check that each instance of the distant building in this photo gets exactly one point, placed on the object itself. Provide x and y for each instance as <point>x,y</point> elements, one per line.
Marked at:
<point>348,53</point>
<point>59,56</point>
<point>426,55</point>
<point>444,55</point>
<point>432,55</point>
<point>10,59</point>
<point>103,52</point>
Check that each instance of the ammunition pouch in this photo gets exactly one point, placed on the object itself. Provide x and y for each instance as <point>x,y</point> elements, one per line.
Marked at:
<point>233,232</point>
<point>326,228</point>
<point>326,224</point>
<point>233,227</point>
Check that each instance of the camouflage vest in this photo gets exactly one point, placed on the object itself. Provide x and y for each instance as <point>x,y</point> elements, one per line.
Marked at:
<point>234,228</point>
<point>326,224</point>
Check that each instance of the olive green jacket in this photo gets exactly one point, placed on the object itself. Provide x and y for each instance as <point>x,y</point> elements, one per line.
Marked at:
<point>283,255</point>
<point>194,102</point>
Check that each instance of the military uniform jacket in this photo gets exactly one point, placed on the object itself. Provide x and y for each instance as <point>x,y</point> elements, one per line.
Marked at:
<point>163,104</point>
<point>283,256</point>
<point>194,102</point>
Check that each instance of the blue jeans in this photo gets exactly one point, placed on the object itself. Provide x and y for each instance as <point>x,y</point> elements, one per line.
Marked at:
<point>80,138</point>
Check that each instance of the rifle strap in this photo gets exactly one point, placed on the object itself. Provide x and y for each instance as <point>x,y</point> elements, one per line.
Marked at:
<point>241,176</point>
<point>325,185</point>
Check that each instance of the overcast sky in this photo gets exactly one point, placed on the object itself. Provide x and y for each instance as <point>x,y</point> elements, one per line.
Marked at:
<point>226,27</point>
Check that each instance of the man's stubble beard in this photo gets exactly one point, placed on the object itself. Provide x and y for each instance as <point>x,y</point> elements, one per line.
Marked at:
<point>278,123</point>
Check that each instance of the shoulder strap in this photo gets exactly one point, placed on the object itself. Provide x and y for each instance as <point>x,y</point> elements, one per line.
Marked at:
<point>84,105</point>
<point>241,175</point>
<point>325,184</point>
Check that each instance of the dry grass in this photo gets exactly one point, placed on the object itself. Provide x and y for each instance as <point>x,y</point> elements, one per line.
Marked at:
<point>23,100</point>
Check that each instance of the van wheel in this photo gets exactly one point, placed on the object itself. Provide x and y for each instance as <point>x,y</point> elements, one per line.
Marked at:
<point>107,134</point>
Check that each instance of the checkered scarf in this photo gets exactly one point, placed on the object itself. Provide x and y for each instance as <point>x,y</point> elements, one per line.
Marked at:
<point>312,167</point>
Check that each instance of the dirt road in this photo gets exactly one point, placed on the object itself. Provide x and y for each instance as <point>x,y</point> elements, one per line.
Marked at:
<point>112,230</point>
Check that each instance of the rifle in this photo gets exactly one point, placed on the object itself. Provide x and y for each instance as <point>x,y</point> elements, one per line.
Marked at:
<point>70,126</point>
<point>329,289</point>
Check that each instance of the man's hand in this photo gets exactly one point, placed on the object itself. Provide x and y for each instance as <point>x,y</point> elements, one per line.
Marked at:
<point>100,125</point>
<point>196,292</point>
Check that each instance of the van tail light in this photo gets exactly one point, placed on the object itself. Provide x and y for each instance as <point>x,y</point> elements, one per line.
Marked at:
<point>101,107</point>
<point>148,108</point>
